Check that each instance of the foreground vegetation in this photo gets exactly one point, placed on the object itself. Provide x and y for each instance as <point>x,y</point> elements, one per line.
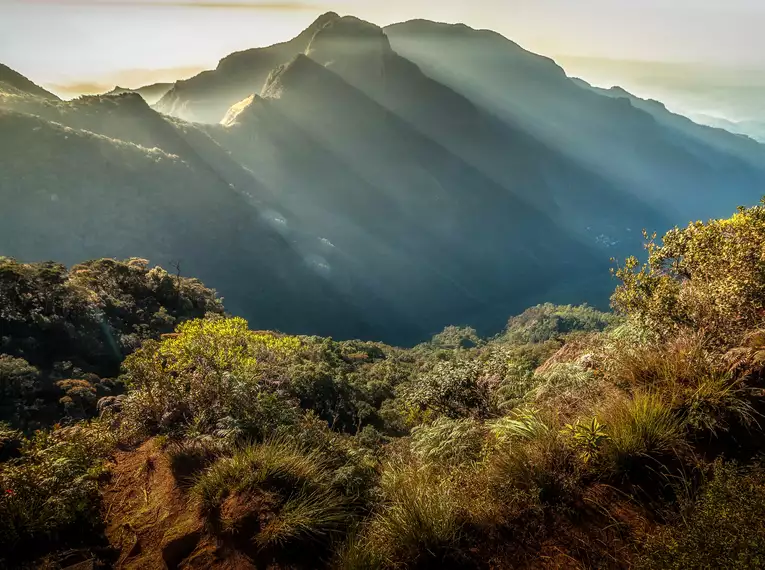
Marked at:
<point>573,439</point>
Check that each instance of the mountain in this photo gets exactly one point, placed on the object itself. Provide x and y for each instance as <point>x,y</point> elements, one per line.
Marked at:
<point>656,160</point>
<point>351,182</point>
<point>393,200</point>
<point>100,196</point>
<point>207,96</point>
<point>753,129</point>
<point>13,83</point>
<point>151,93</point>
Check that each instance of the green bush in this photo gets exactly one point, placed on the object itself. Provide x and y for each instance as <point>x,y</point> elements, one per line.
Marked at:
<point>52,488</point>
<point>209,370</point>
<point>724,528</point>
<point>706,277</point>
<point>448,442</point>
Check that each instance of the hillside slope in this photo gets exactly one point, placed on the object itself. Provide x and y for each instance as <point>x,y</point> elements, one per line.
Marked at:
<point>655,158</point>
<point>393,200</point>
<point>102,197</point>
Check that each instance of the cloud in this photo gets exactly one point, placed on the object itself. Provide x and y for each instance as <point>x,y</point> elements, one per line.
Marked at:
<point>128,78</point>
<point>209,4</point>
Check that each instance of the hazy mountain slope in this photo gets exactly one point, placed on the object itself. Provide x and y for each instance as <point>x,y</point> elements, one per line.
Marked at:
<point>715,137</point>
<point>423,225</point>
<point>150,93</point>
<point>129,118</point>
<point>207,96</point>
<point>12,82</point>
<point>99,197</point>
<point>627,145</point>
<point>753,129</point>
<point>573,196</point>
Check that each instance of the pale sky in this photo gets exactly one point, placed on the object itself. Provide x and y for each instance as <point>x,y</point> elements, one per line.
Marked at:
<point>132,42</point>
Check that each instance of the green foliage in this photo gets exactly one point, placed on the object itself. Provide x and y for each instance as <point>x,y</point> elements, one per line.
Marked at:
<point>210,370</point>
<point>708,277</point>
<point>724,528</point>
<point>453,388</point>
<point>457,337</point>
<point>547,322</point>
<point>51,489</point>
<point>588,437</point>
<point>448,442</point>
<point>78,324</point>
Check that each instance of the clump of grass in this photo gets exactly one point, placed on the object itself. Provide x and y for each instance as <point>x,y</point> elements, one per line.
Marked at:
<point>275,465</point>
<point>448,441</point>
<point>639,428</point>
<point>421,514</point>
<point>308,516</point>
<point>660,365</point>
<point>360,552</point>
<point>189,457</point>
<point>290,484</point>
<point>537,461</point>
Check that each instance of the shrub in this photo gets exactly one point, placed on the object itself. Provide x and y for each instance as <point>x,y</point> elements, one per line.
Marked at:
<point>52,488</point>
<point>708,277</point>
<point>448,442</point>
<point>209,370</point>
<point>724,528</point>
<point>453,388</point>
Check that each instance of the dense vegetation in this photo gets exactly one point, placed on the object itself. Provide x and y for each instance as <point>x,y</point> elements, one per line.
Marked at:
<point>573,439</point>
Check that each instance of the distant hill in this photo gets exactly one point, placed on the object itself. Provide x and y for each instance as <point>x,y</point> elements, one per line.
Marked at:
<point>13,83</point>
<point>150,93</point>
<point>207,96</point>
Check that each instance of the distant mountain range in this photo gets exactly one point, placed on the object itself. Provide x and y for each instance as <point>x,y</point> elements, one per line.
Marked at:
<point>360,181</point>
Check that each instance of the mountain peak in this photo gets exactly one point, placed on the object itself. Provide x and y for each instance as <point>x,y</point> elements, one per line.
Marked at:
<point>323,20</point>
<point>352,48</point>
<point>349,28</point>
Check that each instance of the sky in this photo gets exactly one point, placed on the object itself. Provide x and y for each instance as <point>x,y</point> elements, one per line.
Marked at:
<point>92,45</point>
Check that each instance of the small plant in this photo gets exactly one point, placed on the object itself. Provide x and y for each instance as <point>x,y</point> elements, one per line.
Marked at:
<point>588,437</point>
